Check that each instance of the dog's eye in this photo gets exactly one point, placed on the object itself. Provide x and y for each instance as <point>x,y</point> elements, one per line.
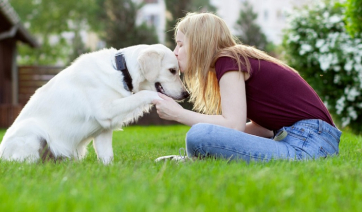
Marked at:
<point>172,70</point>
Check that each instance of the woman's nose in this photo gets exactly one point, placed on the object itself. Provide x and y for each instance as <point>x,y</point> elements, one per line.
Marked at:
<point>175,51</point>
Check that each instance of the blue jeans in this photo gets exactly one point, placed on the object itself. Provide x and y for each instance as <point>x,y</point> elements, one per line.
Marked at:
<point>306,139</point>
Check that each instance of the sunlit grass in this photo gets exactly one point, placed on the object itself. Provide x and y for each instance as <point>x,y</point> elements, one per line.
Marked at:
<point>134,182</point>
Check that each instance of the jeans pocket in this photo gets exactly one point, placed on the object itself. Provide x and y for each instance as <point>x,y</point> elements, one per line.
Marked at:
<point>331,141</point>
<point>298,132</point>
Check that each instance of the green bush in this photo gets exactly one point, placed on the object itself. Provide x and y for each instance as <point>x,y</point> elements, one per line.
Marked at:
<point>328,58</point>
<point>354,16</point>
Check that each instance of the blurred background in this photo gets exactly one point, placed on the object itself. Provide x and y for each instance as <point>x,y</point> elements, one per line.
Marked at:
<point>39,38</point>
<point>65,29</point>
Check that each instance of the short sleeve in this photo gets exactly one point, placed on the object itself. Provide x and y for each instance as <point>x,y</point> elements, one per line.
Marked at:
<point>223,65</point>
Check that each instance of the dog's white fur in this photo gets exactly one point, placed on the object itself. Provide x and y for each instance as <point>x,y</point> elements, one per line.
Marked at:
<point>87,101</point>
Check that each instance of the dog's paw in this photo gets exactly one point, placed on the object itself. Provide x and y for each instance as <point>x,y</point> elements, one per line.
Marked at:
<point>106,160</point>
<point>158,98</point>
<point>150,95</point>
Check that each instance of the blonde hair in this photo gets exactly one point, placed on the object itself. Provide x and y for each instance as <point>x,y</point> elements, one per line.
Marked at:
<point>209,38</point>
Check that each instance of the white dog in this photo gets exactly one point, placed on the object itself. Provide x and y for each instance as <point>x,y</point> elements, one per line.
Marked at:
<point>100,92</point>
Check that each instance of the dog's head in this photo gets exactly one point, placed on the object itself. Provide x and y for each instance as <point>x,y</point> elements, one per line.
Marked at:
<point>159,67</point>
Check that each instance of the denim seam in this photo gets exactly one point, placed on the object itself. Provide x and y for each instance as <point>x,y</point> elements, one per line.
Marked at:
<point>242,153</point>
<point>301,156</point>
<point>321,149</point>
<point>197,150</point>
<point>295,135</point>
<point>305,140</point>
<point>331,134</point>
<point>286,147</point>
<point>326,140</point>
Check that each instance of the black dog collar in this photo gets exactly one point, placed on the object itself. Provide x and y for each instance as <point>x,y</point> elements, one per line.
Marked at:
<point>121,66</point>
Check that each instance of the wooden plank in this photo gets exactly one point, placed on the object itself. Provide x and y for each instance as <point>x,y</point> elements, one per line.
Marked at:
<point>33,77</point>
<point>32,83</point>
<point>3,122</point>
<point>8,114</point>
<point>26,77</point>
<point>27,90</point>
<point>39,70</point>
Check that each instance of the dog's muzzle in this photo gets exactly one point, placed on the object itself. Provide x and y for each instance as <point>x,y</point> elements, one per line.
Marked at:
<point>159,88</point>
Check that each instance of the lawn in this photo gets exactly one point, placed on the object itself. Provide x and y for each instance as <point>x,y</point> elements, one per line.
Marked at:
<point>134,182</point>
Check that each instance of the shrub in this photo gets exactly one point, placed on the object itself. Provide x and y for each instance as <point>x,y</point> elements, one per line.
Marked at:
<point>354,16</point>
<point>328,58</point>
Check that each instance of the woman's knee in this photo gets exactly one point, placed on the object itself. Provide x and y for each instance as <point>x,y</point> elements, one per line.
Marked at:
<point>197,134</point>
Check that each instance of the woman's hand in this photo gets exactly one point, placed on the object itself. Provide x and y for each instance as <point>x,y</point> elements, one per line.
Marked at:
<point>167,108</point>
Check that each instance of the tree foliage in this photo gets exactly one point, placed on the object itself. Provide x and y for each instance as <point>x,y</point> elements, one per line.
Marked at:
<point>45,19</point>
<point>249,32</point>
<point>177,9</point>
<point>354,17</point>
<point>119,25</point>
<point>58,25</point>
<point>329,59</point>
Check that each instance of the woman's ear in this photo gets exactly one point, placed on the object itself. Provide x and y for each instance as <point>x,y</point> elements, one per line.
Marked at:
<point>150,61</point>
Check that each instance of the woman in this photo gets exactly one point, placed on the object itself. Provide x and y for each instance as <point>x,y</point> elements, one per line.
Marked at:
<point>230,83</point>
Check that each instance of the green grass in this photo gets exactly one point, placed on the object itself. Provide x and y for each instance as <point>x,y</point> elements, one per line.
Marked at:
<point>135,183</point>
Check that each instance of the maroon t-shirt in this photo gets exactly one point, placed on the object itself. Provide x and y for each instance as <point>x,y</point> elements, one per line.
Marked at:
<point>276,96</point>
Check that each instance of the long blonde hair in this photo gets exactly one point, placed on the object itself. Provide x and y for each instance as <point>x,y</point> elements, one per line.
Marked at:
<point>209,38</point>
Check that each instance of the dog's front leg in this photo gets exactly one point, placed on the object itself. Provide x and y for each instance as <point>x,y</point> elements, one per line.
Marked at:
<point>103,146</point>
<point>114,113</point>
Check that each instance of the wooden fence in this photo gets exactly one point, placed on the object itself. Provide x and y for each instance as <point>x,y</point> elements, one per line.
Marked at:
<point>32,78</point>
<point>8,113</point>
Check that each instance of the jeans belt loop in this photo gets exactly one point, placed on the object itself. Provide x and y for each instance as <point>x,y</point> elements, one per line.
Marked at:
<point>280,135</point>
<point>320,123</point>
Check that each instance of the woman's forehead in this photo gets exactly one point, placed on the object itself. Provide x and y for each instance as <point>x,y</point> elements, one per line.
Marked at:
<point>180,37</point>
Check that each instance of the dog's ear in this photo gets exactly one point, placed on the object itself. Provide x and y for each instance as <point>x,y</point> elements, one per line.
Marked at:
<point>150,63</point>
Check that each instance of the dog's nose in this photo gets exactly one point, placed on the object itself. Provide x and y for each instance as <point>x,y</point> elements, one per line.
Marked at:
<point>185,94</point>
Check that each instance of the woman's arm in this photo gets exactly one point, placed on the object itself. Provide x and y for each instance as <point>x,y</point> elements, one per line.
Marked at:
<point>255,129</point>
<point>233,103</point>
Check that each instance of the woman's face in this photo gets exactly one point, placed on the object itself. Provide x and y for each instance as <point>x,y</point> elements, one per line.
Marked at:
<point>181,51</point>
